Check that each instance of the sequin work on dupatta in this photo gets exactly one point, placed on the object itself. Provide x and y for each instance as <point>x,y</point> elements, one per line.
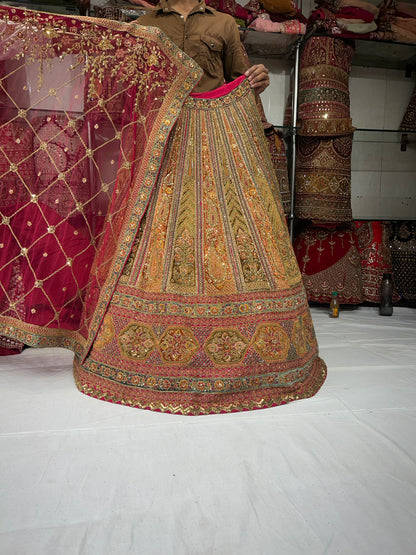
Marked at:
<point>209,314</point>
<point>86,106</point>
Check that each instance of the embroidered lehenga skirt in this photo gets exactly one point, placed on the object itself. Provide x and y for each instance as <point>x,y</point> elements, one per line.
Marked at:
<point>188,298</point>
<point>209,314</point>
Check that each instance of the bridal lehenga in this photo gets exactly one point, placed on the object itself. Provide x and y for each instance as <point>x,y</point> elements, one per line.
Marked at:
<point>141,224</point>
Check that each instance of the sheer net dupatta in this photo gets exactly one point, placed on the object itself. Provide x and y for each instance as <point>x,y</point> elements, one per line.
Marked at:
<point>86,107</point>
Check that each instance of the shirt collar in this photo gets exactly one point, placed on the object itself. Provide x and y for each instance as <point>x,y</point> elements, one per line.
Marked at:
<point>164,6</point>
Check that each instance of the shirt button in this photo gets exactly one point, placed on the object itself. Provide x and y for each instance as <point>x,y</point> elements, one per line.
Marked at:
<point>181,16</point>
<point>186,36</point>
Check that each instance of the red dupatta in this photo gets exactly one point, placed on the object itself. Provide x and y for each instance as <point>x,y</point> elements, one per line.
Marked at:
<point>86,106</point>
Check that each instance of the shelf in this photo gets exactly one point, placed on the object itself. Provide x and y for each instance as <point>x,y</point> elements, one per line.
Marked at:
<point>364,135</point>
<point>279,45</point>
<point>384,54</point>
<point>73,7</point>
<point>383,136</point>
<point>48,6</point>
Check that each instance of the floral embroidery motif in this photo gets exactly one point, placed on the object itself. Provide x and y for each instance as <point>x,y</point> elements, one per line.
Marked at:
<point>251,267</point>
<point>271,342</point>
<point>178,345</point>
<point>102,47</point>
<point>250,263</point>
<point>183,269</point>
<point>226,346</point>
<point>136,341</point>
<point>217,268</point>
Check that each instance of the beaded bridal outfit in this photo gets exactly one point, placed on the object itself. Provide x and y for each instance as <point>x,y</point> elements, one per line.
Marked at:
<point>139,224</point>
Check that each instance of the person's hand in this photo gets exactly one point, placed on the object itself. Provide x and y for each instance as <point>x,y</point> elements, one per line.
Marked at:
<point>258,75</point>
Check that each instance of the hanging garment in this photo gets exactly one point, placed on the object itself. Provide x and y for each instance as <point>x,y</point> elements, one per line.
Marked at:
<point>402,243</point>
<point>324,99</point>
<point>323,179</point>
<point>373,246</point>
<point>182,292</point>
<point>329,261</point>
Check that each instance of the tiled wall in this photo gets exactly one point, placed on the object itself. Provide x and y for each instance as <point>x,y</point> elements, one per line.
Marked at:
<point>383,177</point>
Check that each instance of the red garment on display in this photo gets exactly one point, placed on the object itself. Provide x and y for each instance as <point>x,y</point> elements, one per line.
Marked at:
<point>375,257</point>
<point>351,12</point>
<point>329,261</point>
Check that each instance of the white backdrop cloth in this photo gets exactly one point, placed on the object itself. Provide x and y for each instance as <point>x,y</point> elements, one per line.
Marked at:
<point>335,474</point>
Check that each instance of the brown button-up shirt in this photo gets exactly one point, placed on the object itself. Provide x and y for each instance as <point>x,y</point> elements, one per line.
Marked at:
<point>211,38</point>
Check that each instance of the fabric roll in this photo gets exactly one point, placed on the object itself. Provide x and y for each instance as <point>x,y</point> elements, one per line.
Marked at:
<point>402,34</point>
<point>408,23</point>
<point>231,7</point>
<point>110,12</point>
<point>324,102</point>
<point>332,5</point>
<point>323,179</point>
<point>407,8</point>
<point>285,7</point>
<point>386,15</point>
<point>353,12</point>
<point>362,4</point>
<point>265,24</point>
<point>356,27</point>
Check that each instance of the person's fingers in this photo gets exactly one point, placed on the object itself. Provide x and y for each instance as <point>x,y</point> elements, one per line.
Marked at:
<point>260,88</point>
<point>258,75</point>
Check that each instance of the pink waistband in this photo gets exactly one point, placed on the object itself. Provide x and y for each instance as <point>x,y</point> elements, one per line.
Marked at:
<point>221,91</point>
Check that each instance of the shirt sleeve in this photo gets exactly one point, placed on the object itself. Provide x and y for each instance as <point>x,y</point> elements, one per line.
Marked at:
<point>236,61</point>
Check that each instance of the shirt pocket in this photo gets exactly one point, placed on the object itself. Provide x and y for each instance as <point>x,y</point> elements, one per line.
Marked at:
<point>213,44</point>
<point>207,52</point>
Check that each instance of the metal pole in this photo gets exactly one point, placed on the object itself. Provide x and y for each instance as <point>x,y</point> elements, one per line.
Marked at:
<point>293,135</point>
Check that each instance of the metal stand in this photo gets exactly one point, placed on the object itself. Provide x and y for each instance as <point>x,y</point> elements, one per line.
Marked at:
<point>293,138</point>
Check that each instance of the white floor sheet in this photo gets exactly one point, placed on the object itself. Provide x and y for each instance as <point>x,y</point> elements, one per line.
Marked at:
<point>335,474</point>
